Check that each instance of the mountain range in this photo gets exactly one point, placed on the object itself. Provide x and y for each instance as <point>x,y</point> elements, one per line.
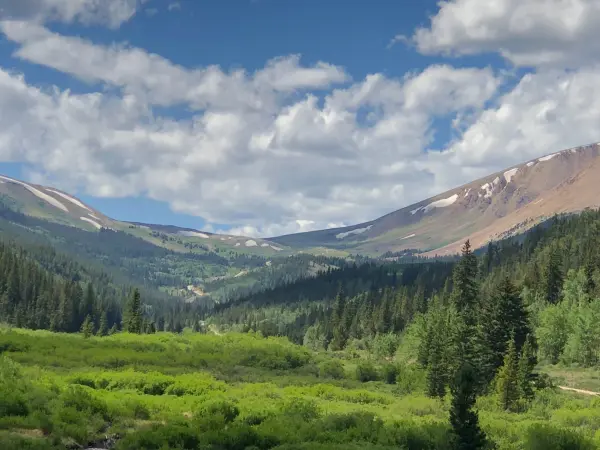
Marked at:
<point>491,208</point>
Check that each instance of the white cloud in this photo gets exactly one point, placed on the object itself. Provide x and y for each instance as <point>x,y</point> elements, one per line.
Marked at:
<point>534,33</point>
<point>161,82</point>
<point>254,152</point>
<point>544,112</point>
<point>174,6</point>
<point>111,13</point>
<point>287,148</point>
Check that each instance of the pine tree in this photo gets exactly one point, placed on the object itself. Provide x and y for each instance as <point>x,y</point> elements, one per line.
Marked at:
<point>502,318</point>
<point>340,332</point>
<point>465,298</point>
<point>134,321</point>
<point>113,330</point>
<point>103,328</point>
<point>507,380</point>
<point>436,372</point>
<point>527,363</point>
<point>87,328</point>
<point>463,419</point>
<point>552,275</point>
<point>466,289</point>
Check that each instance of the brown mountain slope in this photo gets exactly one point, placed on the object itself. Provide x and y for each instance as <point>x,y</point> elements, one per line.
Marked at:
<point>490,208</point>
<point>575,193</point>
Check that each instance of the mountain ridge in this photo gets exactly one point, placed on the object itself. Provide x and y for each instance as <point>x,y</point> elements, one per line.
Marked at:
<point>499,205</point>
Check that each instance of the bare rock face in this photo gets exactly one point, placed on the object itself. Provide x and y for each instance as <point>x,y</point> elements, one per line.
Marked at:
<point>497,206</point>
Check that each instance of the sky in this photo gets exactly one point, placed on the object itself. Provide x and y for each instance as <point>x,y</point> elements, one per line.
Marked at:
<point>268,117</point>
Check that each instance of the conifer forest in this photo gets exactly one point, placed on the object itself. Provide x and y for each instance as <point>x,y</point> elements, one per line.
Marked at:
<point>497,348</point>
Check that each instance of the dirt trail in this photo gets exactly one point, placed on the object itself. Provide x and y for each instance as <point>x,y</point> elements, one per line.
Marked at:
<point>579,391</point>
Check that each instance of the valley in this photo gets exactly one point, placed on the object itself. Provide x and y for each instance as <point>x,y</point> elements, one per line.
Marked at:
<point>131,335</point>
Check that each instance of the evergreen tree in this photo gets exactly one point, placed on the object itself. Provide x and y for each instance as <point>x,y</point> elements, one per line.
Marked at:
<point>465,298</point>
<point>527,363</point>
<point>502,318</point>
<point>87,328</point>
<point>463,419</point>
<point>113,330</point>
<point>466,289</point>
<point>134,321</point>
<point>552,275</point>
<point>507,381</point>
<point>103,328</point>
<point>436,373</point>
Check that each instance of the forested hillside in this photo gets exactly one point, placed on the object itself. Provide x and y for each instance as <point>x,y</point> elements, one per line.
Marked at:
<point>545,284</point>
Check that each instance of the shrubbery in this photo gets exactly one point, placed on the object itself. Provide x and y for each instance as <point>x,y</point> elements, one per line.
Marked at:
<point>366,371</point>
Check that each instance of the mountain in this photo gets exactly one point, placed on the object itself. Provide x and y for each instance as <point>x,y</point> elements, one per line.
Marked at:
<point>491,208</point>
<point>56,206</point>
<point>180,262</point>
<point>500,205</point>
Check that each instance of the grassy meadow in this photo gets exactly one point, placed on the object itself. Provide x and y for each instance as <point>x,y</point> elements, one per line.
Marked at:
<point>243,391</point>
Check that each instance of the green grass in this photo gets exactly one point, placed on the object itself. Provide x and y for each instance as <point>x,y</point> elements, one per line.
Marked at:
<point>237,391</point>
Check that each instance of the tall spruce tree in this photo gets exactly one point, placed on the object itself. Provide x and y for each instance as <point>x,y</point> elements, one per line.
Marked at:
<point>502,318</point>
<point>467,434</point>
<point>465,297</point>
<point>527,363</point>
<point>507,381</point>
<point>552,276</point>
<point>133,315</point>
<point>436,372</point>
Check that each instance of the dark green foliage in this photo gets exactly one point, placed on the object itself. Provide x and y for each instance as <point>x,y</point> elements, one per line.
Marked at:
<point>507,381</point>
<point>464,420</point>
<point>503,318</point>
<point>390,373</point>
<point>366,371</point>
<point>436,374</point>
<point>552,275</point>
<point>132,316</point>
<point>527,363</point>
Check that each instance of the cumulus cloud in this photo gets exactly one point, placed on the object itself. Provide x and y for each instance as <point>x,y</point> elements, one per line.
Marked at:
<point>159,81</point>
<point>255,150</point>
<point>532,33</point>
<point>289,147</point>
<point>111,13</point>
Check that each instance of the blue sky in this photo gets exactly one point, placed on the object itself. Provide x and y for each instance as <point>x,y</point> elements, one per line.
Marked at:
<point>166,143</point>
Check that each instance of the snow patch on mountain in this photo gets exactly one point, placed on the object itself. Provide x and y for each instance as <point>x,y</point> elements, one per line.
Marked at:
<point>408,237</point>
<point>95,217</point>
<point>194,234</point>
<point>277,249</point>
<point>487,187</point>
<point>547,158</point>
<point>48,198</point>
<point>251,243</point>
<point>69,198</point>
<point>356,231</point>
<point>467,193</point>
<point>530,163</point>
<point>264,245</point>
<point>93,222</point>
<point>237,244</point>
<point>509,174</point>
<point>437,204</point>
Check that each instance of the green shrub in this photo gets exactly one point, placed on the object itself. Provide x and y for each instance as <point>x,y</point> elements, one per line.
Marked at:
<point>365,371</point>
<point>547,437</point>
<point>302,409</point>
<point>390,372</point>
<point>332,369</point>
<point>219,408</point>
